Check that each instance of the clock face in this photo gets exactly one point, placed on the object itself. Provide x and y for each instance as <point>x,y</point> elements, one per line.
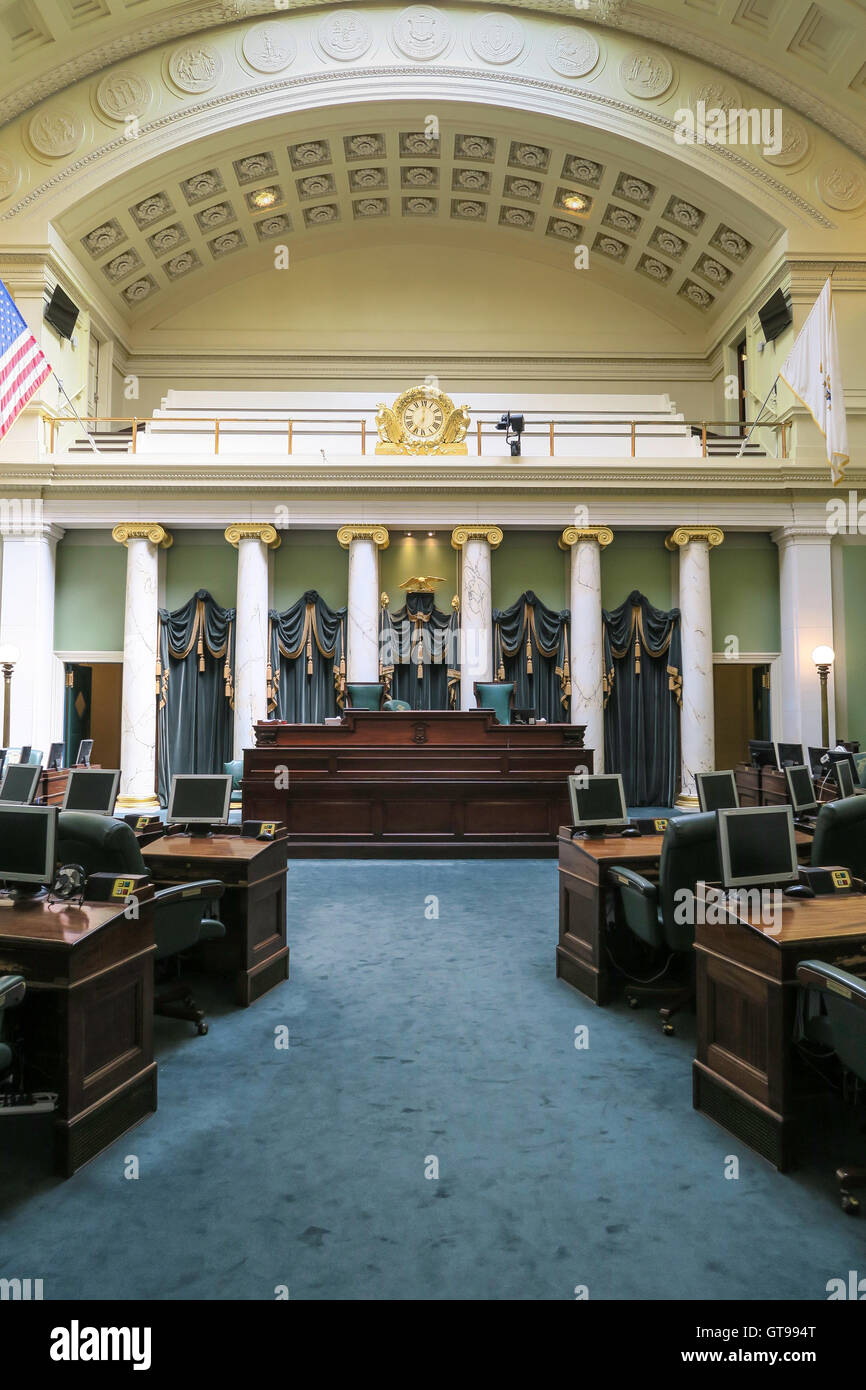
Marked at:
<point>423,418</point>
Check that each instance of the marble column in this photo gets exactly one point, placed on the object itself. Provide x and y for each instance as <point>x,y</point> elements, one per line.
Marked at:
<point>143,541</point>
<point>253,540</point>
<point>806,613</point>
<point>586,645</point>
<point>476,606</point>
<point>697,730</point>
<point>27,622</point>
<point>362,635</point>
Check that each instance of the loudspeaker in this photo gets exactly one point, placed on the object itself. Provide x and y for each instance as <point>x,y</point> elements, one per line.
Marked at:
<point>776,315</point>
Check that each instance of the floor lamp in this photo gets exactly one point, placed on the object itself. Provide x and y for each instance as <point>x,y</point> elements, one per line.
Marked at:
<point>823,658</point>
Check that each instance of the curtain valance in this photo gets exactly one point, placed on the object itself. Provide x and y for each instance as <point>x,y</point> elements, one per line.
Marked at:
<point>307,660</point>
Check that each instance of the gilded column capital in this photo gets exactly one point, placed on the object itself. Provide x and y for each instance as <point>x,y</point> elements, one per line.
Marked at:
<point>681,535</point>
<point>572,534</point>
<point>491,534</point>
<point>127,531</point>
<point>253,531</point>
<point>377,534</point>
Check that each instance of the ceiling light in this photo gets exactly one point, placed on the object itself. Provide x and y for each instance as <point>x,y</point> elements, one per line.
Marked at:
<point>574,202</point>
<point>264,198</point>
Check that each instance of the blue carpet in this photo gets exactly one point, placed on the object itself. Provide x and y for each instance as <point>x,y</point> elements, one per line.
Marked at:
<point>414,1037</point>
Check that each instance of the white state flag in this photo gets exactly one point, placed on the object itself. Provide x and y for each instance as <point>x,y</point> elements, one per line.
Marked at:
<point>812,371</point>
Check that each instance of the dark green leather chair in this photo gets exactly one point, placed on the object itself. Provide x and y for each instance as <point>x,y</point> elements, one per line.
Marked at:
<point>653,913</point>
<point>841,1025</point>
<point>840,835</point>
<point>103,845</point>
<point>495,695</point>
<point>397,705</point>
<point>365,694</point>
<point>235,770</point>
<point>12,991</point>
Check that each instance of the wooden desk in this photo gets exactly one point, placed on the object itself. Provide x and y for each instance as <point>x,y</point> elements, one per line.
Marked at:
<point>86,1022</point>
<point>581,956</point>
<point>51,787</point>
<point>253,909</point>
<point>428,782</point>
<point>768,786</point>
<point>744,1075</point>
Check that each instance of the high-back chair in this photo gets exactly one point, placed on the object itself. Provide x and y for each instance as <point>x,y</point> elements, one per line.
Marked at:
<point>840,835</point>
<point>364,694</point>
<point>495,695</point>
<point>842,1026</point>
<point>12,991</point>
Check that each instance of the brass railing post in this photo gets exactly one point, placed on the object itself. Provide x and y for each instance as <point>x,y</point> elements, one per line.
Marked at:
<point>216,435</point>
<point>633,437</point>
<point>704,438</point>
<point>134,432</point>
<point>363,435</point>
<point>479,438</point>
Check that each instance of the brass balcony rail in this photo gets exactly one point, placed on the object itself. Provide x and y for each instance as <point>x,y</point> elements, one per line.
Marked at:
<point>354,427</point>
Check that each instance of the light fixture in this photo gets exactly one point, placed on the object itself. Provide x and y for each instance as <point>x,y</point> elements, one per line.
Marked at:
<point>408,535</point>
<point>574,202</point>
<point>823,658</point>
<point>264,198</point>
<point>431,533</point>
<point>8,657</point>
<point>513,424</point>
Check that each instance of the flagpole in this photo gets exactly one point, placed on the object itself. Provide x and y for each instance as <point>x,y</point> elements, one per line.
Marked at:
<point>74,411</point>
<point>757,417</point>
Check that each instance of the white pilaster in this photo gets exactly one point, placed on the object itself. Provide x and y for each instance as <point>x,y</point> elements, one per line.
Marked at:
<point>476,606</point>
<point>697,729</point>
<point>362,635</point>
<point>143,542</point>
<point>586,644</point>
<point>251,627</point>
<point>806,612</point>
<point>27,622</point>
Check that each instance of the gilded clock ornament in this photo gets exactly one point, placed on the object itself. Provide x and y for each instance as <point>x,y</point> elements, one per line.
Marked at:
<point>423,420</point>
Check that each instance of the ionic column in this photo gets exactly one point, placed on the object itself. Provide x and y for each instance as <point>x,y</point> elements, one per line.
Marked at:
<point>806,613</point>
<point>476,606</point>
<point>143,541</point>
<point>252,540</point>
<point>362,636</point>
<point>27,622</point>
<point>697,733</point>
<point>586,654</point>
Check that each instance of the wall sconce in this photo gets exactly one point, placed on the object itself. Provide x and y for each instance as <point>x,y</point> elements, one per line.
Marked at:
<point>823,658</point>
<point>8,657</point>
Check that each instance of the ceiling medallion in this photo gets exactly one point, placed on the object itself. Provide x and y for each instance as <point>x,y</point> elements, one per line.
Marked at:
<point>56,132</point>
<point>344,35</point>
<point>269,47</point>
<point>123,94</point>
<point>646,74</point>
<point>796,143</point>
<point>841,186</point>
<point>195,67</point>
<point>10,176</point>
<point>497,38</point>
<point>422,32</point>
<point>572,52</point>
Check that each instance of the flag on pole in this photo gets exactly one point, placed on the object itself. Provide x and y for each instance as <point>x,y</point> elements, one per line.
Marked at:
<point>812,371</point>
<point>23,365</point>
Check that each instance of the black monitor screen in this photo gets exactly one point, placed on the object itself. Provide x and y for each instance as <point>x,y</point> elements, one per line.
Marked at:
<point>27,839</point>
<point>85,748</point>
<point>91,791</point>
<point>844,777</point>
<point>762,752</point>
<point>802,789</point>
<point>199,799</point>
<point>790,754</point>
<point>760,846</point>
<point>717,790</point>
<point>19,782</point>
<point>56,754</point>
<point>597,800</point>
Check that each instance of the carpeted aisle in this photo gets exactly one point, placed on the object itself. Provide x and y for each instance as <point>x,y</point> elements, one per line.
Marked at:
<point>414,1038</point>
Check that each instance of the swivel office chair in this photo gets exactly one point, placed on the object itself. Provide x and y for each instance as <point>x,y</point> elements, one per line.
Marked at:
<point>653,913</point>
<point>840,835</point>
<point>12,991</point>
<point>102,845</point>
<point>841,1026</point>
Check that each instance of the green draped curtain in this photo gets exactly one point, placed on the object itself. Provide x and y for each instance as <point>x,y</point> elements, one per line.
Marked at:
<point>195,696</point>
<point>419,658</point>
<point>307,661</point>
<point>530,648</point>
<point>643,695</point>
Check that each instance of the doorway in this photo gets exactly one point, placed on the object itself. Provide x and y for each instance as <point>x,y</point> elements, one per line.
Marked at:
<point>92,709</point>
<point>742,696</point>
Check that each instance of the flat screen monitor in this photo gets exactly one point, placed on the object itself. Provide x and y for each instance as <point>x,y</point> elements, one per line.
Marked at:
<point>28,836</point>
<point>757,848</point>
<point>20,781</point>
<point>844,777</point>
<point>85,748</point>
<point>789,754</point>
<point>24,753</point>
<point>597,800</point>
<point>61,312</point>
<point>56,754</point>
<point>762,752</point>
<point>801,791</point>
<point>199,799</point>
<point>716,790</point>
<point>815,755</point>
<point>91,789</point>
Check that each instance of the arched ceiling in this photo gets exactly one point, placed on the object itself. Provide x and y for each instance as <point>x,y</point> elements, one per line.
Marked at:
<point>810,56</point>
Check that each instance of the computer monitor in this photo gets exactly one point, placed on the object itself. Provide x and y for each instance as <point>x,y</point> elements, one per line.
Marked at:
<point>28,838</point>
<point>762,752</point>
<point>814,758</point>
<point>56,754</point>
<point>24,754</point>
<point>801,791</point>
<point>844,777</point>
<point>85,748</point>
<point>91,789</point>
<point>757,848</point>
<point>20,781</point>
<point>199,799</point>
<point>789,754</point>
<point>716,790</point>
<point>597,801</point>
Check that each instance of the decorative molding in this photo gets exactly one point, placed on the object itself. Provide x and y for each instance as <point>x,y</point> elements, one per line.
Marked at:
<point>253,531</point>
<point>683,535</point>
<point>142,530</point>
<point>377,534</point>
<point>491,534</point>
<point>572,534</point>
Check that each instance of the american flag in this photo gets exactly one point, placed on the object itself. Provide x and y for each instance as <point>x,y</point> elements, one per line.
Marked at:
<point>23,365</point>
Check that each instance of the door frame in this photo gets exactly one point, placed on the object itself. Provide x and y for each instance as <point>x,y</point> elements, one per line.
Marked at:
<point>774,661</point>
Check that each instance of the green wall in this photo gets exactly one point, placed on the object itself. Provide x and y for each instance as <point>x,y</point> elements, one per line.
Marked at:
<point>744,582</point>
<point>530,560</point>
<point>637,560</point>
<point>90,594</point>
<point>310,560</point>
<point>416,555</point>
<point>200,560</point>
<point>854,588</point>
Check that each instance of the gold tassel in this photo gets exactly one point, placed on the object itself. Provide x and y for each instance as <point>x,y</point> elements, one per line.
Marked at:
<point>309,656</point>
<point>528,654</point>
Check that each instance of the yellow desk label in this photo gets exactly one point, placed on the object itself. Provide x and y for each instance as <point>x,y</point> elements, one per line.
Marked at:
<point>121,888</point>
<point>841,878</point>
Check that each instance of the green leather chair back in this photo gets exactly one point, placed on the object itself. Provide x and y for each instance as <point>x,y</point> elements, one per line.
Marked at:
<point>235,770</point>
<point>689,855</point>
<point>397,705</point>
<point>495,695</point>
<point>366,695</point>
<point>98,843</point>
<point>840,835</point>
<point>844,1024</point>
<point>35,756</point>
<point>860,764</point>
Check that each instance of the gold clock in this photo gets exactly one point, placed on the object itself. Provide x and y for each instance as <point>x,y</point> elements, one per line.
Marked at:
<point>423,420</point>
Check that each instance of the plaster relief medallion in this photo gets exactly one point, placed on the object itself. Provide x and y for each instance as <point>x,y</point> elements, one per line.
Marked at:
<point>468,210</point>
<point>56,132</point>
<point>195,67</point>
<point>716,95</point>
<point>471,180</point>
<point>610,246</point>
<point>622,220</point>
<point>123,94</point>
<point>420,177</point>
<point>127,263</point>
<point>635,190</point>
<point>254,167</point>
<point>364,146</point>
<point>202,185</point>
<point>841,186</point>
<point>516,217</point>
<point>796,143</point>
<point>315,186</point>
<point>684,214</point>
<point>529,156</point>
<point>497,38</point>
<point>180,265</point>
<point>655,269</point>
<point>572,52</point>
<point>370,207</point>
<point>474,147</point>
<point>420,207</point>
<point>140,289</point>
<point>669,242</point>
<point>367,178</point>
<point>344,35</point>
<point>273,226</point>
<point>646,74</point>
<point>225,244</point>
<point>422,32</point>
<point>516,186</point>
<point>566,231</point>
<point>269,47</point>
<point>10,176</point>
<point>701,298</point>
<point>320,216</point>
<point>167,239</point>
<point>307,155</point>
<point>151,209</point>
<point>413,144</point>
<point>713,270</point>
<point>103,238</point>
<point>582,170</point>
<point>215,216</point>
<point>730,242</point>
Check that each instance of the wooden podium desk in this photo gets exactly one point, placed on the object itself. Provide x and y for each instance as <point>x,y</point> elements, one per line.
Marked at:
<point>768,786</point>
<point>253,909</point>
<point>51,787</point>
<point>744,1074</point>
<point>428,782</point>
<point>86,1021</point>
